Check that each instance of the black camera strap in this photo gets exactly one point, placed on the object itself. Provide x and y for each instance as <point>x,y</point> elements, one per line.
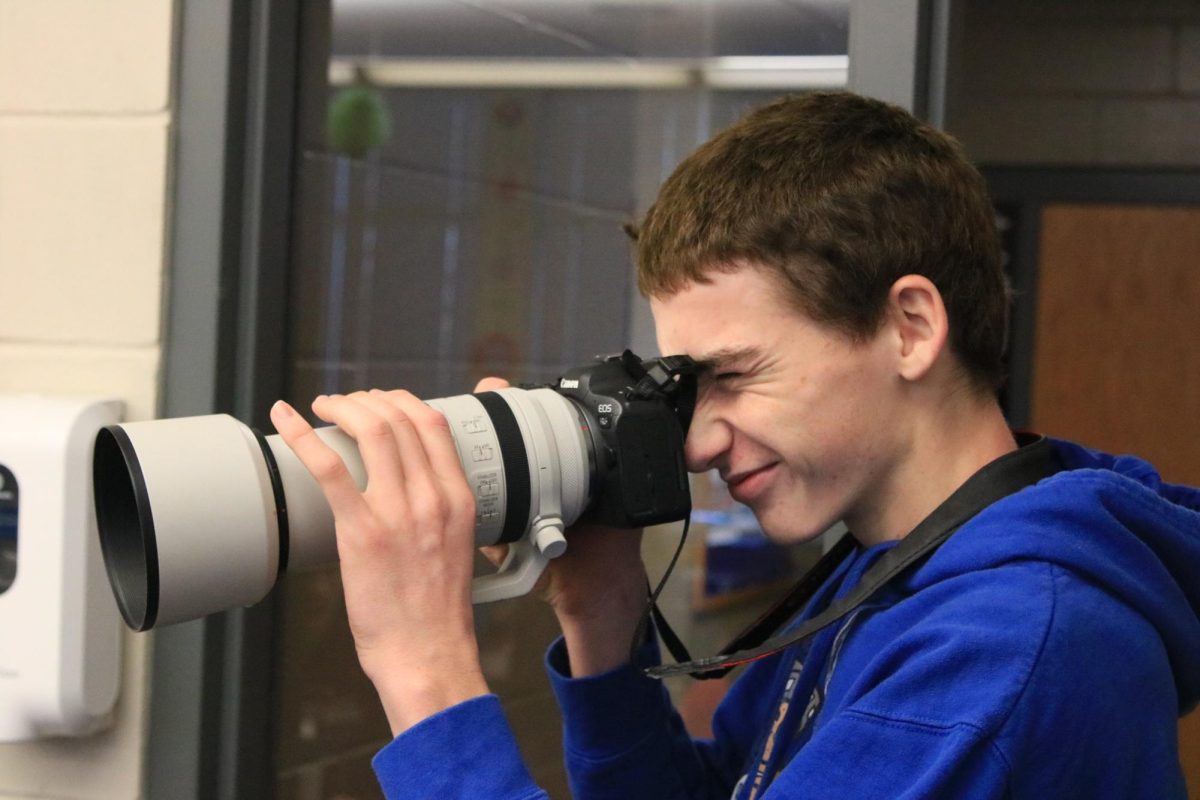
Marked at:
<point>1033,460</point>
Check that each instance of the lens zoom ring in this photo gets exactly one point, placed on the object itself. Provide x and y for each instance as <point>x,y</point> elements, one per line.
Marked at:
<point>516,465</point>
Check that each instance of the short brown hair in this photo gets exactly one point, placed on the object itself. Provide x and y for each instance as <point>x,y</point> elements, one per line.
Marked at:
<point>840,195</point>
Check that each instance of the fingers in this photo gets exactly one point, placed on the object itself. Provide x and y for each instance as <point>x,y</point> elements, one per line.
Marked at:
<point>408,422</point>
<point>412,463</point>
<point>495,553</point>
<point>491,385</point>
<point>319,459</point>
<point>378,443</point>
<point>437,441</point>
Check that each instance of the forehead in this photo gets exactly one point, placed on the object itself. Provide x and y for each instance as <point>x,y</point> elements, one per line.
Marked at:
<point>734,310</point>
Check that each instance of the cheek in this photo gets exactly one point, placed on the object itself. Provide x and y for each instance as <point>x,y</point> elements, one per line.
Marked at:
<point>868,426</point>
<point>786,429</point>
<point>754,422</point>
<point>833,423</point>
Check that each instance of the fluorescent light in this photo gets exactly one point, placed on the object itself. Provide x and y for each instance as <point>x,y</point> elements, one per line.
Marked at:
<point>779,63</point>
<point>487,73</point>
<point>737,72</point>
<point>776,72</point>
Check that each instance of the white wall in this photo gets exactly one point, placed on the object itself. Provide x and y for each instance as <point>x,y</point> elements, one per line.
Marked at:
<point>1078,82</point>
<point>84,136</point>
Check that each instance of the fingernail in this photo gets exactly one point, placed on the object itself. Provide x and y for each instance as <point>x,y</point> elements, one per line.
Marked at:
<point>321,397</point>
<point>282,408</point>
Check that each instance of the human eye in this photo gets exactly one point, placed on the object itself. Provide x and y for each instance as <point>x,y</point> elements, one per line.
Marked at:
<point>725,370</point>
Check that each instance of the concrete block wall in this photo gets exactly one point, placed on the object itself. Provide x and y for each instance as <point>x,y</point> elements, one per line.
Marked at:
<point>1112,83</point>
<point>85,119</point>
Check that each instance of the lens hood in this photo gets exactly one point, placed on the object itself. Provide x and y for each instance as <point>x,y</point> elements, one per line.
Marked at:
<point>204,481</point>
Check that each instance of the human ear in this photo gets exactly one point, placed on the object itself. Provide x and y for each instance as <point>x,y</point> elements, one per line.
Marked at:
<point>919,316</point>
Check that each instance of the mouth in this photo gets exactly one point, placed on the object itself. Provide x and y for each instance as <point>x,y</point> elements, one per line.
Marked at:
<point>745,486</point>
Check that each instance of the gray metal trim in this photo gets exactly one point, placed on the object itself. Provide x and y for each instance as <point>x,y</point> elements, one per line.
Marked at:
<point>178,747</point>
<point>271,123</point>
<point>900,53</point>
<point>940,27</point>
<point>1094,185</point>
<point>199,247</point>
<point>209,730</point>
<point>886,51</point>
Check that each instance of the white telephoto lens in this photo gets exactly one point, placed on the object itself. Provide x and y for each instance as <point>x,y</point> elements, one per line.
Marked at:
<point>202,514</point>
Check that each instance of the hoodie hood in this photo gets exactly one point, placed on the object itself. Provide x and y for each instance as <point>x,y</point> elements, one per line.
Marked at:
<point>1112,521</point>
<point>1155,526</point>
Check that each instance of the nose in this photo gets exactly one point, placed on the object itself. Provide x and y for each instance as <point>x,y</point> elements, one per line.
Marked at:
<point>708,438</point>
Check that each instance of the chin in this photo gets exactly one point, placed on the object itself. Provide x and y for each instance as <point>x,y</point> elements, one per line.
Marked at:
<point>790,532</point>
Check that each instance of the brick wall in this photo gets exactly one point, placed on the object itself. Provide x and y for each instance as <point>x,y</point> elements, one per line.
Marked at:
<point>84,137</point>
<point>1074,83</point>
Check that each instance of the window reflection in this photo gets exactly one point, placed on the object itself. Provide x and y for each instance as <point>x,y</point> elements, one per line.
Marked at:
<point>465,170</point>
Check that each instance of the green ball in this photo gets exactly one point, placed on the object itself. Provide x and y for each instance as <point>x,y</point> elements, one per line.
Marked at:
<point>358,121</point>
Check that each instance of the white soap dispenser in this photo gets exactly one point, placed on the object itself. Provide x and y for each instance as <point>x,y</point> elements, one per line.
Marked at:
<point>60,632</point>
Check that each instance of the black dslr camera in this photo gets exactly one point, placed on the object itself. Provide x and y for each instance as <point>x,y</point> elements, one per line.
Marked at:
<point>636,414</point>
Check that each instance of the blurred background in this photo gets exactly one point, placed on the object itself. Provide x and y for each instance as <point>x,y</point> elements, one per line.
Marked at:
<point>209,204</point>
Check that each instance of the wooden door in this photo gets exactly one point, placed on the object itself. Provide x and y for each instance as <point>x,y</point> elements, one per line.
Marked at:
<point>1116,360</point>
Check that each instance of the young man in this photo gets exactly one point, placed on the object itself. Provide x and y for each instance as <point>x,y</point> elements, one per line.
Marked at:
<point>833,265</point>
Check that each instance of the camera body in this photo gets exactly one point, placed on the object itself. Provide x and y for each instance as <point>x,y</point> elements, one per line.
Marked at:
<point>637,414</point>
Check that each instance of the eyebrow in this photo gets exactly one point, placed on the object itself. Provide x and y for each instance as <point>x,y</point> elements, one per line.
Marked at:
<point>726,355</point>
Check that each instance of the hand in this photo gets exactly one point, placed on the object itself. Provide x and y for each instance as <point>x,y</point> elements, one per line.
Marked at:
<point>405,545</point>
<point>597,588</point>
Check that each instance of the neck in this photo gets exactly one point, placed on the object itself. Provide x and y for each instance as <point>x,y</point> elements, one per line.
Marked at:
<point>939,452</point>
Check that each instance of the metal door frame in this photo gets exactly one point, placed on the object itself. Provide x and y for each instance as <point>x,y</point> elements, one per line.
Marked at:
<point>234,89</point>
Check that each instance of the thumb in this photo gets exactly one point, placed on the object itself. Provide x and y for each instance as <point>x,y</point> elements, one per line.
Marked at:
<point>495,553</point>
<point>491,384</point>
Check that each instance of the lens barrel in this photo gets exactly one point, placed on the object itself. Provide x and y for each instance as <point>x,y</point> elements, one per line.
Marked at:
<point>202,514</point>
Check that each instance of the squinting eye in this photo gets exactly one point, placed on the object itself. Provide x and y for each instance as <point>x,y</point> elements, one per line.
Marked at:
<point>726,376</point>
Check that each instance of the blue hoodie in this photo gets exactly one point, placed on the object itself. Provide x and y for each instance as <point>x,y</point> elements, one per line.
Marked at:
<point>1044,651</point>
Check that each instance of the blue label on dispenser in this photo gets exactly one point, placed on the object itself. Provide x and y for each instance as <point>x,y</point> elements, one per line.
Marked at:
<point>8,528</point>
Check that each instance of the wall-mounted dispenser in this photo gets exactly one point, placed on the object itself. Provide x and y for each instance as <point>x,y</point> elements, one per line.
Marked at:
<point>60,632</point>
